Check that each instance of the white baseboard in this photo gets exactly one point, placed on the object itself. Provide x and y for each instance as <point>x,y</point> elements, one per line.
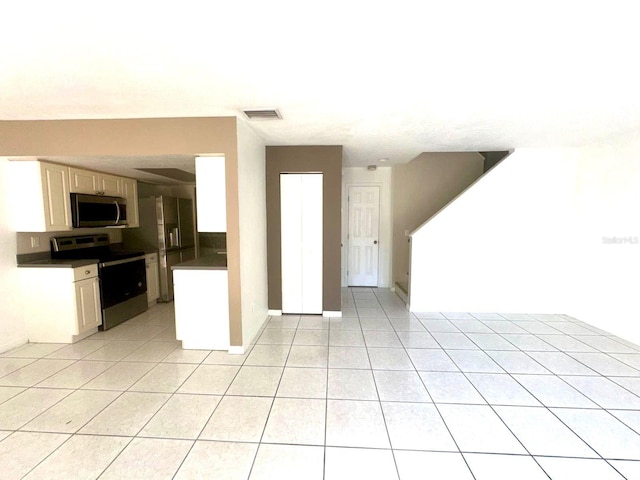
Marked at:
<point>332,313</point>
<point>13,343</point>
<point>236,350</point>
<point>274,313</point>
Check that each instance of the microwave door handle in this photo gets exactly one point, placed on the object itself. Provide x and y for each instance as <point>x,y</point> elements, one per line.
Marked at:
<point>118,212</point>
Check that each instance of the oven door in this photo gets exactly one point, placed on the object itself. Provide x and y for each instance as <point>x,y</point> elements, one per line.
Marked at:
<point>122,280</point>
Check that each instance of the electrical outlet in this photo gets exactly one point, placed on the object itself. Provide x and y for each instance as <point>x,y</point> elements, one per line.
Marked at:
<point>35,242</point>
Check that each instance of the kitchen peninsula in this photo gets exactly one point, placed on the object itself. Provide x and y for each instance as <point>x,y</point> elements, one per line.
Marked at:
<point>201,298</point>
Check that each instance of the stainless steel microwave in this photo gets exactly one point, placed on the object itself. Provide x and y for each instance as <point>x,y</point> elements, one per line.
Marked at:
<point>98,211</point>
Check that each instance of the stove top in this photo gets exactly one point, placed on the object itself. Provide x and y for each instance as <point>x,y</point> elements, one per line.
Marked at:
<point>89,247</point>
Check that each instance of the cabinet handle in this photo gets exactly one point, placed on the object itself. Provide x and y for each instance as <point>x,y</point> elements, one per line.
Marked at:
<point>87,272</point>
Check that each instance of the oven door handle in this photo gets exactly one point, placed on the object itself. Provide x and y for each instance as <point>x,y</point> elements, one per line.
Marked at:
<point>119,262</point>
<point>118,212</point>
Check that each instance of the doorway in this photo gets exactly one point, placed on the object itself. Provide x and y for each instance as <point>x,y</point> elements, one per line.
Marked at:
<point>363,235</point>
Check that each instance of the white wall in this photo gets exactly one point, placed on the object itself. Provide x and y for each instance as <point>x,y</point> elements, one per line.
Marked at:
<point>360,176</point>
<point>253,230</point>
<point>502,245</point>
<point>12,329</point>
<point>607,204</point>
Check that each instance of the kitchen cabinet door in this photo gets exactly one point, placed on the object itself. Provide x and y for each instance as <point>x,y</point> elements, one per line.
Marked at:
<point>83,181</point>
<point>88,311</point>
<point>211,196</point>
<point>40,194</point>
<point>57,207</point>
<point>130,192</point>
<point>110,185</point>
<point>94,183</point>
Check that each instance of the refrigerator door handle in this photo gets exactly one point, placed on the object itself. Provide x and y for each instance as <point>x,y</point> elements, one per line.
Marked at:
<point>174,237</point>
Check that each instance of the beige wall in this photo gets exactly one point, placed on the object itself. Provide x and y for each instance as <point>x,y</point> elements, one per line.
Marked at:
<point>325,159</point>
<point>420,189</point>
<point>149,136</point>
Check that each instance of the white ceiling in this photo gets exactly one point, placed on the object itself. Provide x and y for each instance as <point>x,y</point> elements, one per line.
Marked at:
<point>388,79</point>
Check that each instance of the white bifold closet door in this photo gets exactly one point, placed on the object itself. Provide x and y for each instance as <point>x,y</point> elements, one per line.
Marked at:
<point>301,242</point>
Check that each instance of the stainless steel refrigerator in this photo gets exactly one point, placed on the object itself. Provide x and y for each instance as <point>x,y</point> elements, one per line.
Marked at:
<point>166,225</point>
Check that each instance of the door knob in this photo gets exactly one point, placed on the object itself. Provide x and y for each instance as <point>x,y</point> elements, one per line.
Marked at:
<point>375,242</point>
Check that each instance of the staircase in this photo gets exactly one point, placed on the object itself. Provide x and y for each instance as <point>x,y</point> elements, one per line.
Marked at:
<point>490,160</point>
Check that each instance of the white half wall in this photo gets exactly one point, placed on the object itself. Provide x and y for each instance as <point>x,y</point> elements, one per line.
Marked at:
<point>13,331</point>
<point>253,230</point>
<point>360,176</point>
<point>502,245</point>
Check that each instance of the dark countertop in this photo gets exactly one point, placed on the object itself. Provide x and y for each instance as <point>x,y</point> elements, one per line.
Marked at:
<point>208,262</point>
<point>58,263</point>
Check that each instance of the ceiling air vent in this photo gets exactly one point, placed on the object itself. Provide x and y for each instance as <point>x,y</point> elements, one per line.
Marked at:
<point>262,114</point>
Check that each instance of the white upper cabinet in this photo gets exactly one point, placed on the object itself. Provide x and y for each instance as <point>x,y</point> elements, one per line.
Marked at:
<point>110,185</point>
<point>41,197</point>
<point>94,183</point>
<point>130,192</point>
<point>211,194</point>
<point>40,192</point>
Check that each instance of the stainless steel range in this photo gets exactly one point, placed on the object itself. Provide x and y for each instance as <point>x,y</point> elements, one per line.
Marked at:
<point>123,281</point>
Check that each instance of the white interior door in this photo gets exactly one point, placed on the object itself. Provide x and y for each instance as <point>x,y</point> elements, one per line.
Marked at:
<point>362,241</point>
<point>301,242</point>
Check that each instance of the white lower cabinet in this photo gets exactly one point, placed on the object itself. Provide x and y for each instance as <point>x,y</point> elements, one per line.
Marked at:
<point>201,299</point>
<point>61,305</point>
<point>153,278</point>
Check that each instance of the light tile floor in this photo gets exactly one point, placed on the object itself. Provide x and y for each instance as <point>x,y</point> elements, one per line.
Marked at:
<point>379,394</point>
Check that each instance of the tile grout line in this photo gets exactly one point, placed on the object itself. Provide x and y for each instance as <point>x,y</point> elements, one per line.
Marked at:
<point>534,396</point>
<point>273,400</point>
<point>455,442</point>
<point>542,403</point>
<point>123,360</point>
<point>375,382</point>
<point>72,434</point>
<point>528,453</point>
